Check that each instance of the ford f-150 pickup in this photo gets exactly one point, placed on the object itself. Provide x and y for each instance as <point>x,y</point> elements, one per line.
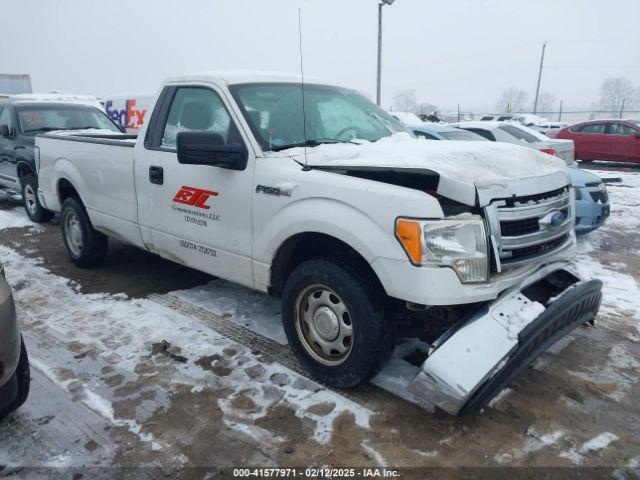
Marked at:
<point>365,232</point>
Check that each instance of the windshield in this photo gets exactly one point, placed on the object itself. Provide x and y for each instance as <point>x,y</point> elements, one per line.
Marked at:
<point>332,114</point>
<point>463,135</point>
<point>43,118</point>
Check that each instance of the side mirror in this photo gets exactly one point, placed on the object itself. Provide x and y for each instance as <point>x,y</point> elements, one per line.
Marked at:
<point>638,135</point>
<point>4,131</point>
<point>208,148</point>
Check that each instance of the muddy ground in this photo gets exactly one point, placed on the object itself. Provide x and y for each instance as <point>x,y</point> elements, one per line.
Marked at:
<point>112,387</point>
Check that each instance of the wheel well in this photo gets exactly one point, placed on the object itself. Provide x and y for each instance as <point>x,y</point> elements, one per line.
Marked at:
<point>24,170</point>
<point>305,246</point>
<point>66,190</point>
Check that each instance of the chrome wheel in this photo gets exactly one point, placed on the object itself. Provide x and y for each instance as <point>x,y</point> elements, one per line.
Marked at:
<point>324,325</point>
<point>30,199</point>
<point>73,233</point>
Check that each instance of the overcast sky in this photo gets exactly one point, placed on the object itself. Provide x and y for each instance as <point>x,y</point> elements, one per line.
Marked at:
<point>450,52</point>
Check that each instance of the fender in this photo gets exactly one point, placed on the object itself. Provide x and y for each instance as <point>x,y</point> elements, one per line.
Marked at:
<point>63,169</point>
<point>345,223</point>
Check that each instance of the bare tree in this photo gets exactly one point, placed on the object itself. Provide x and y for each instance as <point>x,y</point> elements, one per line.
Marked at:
<point>406,101</point>
<point>614,91</point>
<point>512,100</point>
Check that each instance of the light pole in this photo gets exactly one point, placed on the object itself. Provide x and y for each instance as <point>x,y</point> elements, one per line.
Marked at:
<point>535,102</point>
<point>380,5</point>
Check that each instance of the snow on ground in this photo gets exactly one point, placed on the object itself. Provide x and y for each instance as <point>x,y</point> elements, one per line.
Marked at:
<point>15,218</point>
<point>121,332</point>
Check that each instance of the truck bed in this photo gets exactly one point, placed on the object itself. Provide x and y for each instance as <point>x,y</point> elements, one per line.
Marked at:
<point>101,168</point>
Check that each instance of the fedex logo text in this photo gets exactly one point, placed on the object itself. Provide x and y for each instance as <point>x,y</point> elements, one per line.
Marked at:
<point>129,117</point>
<point>195,197</point>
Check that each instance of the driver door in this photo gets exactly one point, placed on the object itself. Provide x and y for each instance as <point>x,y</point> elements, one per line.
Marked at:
<point>197,215</point>
<point>8,174</point>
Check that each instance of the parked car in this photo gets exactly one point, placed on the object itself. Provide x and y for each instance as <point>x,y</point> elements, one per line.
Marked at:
<point>345,215</point>
<point>510,132</point>
<point>24,116</point>
<point>592,201</point>
<point>441,131</point>
<point>609,140</point>
<point>14,363</point>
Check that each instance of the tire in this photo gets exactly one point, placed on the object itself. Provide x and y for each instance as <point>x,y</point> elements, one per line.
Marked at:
<point>35,211</point>
<point>24,378</point>
<point>85,246</point>
<point>372,339</point>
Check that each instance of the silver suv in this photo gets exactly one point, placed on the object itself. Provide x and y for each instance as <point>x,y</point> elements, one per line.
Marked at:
<point>14,364</point>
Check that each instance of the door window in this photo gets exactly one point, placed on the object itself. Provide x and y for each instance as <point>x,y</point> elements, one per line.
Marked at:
<point>621,129</point>
<point>196,109</point>
<point>592,128</point>
<point>5,119</point>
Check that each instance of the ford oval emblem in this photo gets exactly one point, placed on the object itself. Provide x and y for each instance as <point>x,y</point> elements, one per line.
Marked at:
<point>554,219</point>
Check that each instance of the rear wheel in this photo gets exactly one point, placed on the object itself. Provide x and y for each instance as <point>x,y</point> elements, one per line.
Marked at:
<point>24,378</point>
<point>86,246</point>
<point>35,211</point>
<point>336,323</point>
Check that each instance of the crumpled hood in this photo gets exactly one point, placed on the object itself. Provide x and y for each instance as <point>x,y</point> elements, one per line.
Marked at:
<point>462,167</point>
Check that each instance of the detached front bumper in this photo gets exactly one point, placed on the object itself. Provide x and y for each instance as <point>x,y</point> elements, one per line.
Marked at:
<point>469,365</point>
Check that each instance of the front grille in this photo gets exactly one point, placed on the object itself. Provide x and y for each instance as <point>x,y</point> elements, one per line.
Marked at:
<point>537,198</point>
<point>516,228</point>
<point>526,228</point>
<point>602,197</point>
<point>526,253</point>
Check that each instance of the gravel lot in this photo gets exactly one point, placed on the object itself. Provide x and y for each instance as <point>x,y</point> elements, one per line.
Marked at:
<point>144,362</point>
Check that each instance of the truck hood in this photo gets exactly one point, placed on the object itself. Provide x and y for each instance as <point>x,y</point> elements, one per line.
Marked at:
<point>468,172</point>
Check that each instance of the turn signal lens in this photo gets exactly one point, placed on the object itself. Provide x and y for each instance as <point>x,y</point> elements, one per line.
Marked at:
<point>410,236</point>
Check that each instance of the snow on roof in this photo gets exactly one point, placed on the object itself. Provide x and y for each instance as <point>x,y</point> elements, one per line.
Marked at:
<point>55,97</point>
<point>407,118</point>
<point>481,124</point>
<point>232,77</point>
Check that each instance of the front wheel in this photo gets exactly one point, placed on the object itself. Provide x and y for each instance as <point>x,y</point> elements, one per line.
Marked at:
<point>336,323</point>
<point>35,211</point>
<point>86,246</point>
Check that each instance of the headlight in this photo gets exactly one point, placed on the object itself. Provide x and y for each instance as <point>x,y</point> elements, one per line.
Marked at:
<point>458,244</point>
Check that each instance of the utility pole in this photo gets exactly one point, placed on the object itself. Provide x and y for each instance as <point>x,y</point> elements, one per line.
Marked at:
<point>379,82</point>
<point>535,102</point>
<point>622,107</point>
<point>560,112</point>
<point>458,112</point>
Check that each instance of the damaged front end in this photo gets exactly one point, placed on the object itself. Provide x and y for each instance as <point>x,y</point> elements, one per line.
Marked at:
<point>472,363</point>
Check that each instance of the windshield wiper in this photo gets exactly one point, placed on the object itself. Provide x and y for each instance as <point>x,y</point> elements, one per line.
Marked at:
<point>311,143</point>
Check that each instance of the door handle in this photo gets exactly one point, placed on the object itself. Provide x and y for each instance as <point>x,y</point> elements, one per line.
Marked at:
<point>156,175</point>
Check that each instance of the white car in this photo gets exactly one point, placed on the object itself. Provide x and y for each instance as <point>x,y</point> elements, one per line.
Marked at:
<point>514,133</point>
<point>345,215</point>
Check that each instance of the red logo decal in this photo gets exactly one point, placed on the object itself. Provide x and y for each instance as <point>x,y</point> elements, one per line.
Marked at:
<point>196,197</point>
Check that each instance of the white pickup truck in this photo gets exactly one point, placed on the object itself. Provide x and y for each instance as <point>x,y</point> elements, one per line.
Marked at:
<point>367,233</point>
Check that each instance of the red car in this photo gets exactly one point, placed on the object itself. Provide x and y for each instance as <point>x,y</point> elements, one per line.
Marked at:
<point>612,140</point>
